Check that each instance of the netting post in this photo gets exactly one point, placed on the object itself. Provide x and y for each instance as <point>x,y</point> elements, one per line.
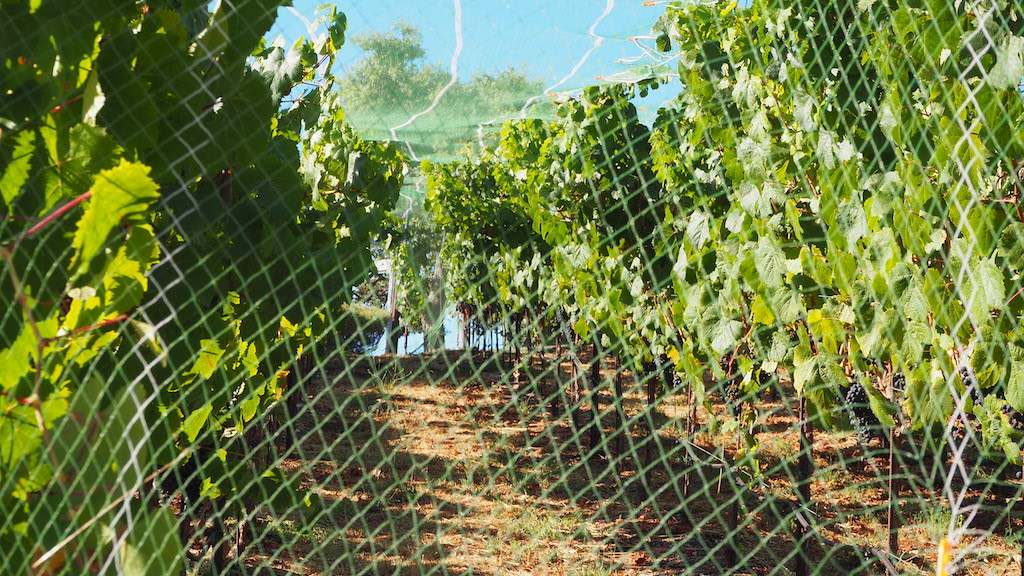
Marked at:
<point>594,385</point>
<point>517,353</point>
<point>893,519</point>
<point>555,407</point>
<point>732,519</point>
<point>652,397</point>
<point>464,312</point>
<point>575,397</point>
<point>392,327</point>
<point>805,468</point>
<point>691,430</point>
<point>620,420</point>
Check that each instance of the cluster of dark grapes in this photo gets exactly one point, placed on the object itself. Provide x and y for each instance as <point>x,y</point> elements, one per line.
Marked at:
<point>959,431</point>
<point>765,388</point>
<point>1016,418</point>
<point>185,479</point>
<point>677,380</point>
<point>862,417</point>
<point>899,381</point>
<point>649,368</point>
<point>662,368</point>
<point>970,383</point>
<point>731,384</point>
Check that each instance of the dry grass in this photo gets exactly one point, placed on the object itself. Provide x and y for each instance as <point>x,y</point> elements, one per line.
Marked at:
<point>423,468</point>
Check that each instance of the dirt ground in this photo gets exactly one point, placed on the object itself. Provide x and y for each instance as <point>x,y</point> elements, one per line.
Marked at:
<point>445,466</point>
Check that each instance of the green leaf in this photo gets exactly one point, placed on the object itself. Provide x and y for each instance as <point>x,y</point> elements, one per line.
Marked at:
<point>830,331</point>
<point>129,111</point>
<point>852,220</point>
<point>1015,383</point>
<point>1011,245</point>
<point>17,171</point>
<point>771,262</point>
<point>195,422</point>
<point>17,359</point>
<point>20,438</point>
<point>582,328</point>
<point>724,335</point>
<point>882,408</point>
<point>251,404</point>
<point>119,195</point>
<point>983,289</point>
<point>1009,66</point>
<point>281,69</point>
<point>805,374</point>
<point>698,229</point>
<point>760,201</point>
<point>92,149</point>
<point>153,545</point>
<point>337,29</point>
<point>762,314</point>
<point>208,359</point>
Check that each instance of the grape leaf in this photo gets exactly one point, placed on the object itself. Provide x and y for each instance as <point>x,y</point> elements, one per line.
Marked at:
<point>18,170</point>
<point>195,422</point>
<point>337,28</point>
<point>119,195</point>
<point>152,545</point>
<point>983,289</point>
<point>281,69</point>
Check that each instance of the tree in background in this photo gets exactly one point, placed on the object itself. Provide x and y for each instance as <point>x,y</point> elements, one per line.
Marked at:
<point>391,74</point>
<point>393,82</point>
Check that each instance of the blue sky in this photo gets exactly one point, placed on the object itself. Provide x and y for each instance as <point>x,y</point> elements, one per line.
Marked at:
<point>567,44</point>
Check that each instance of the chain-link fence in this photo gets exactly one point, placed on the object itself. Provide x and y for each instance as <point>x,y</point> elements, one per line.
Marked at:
<point>618,288</point>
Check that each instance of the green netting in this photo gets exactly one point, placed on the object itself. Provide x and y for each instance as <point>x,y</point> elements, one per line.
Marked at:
<point>589,288</point>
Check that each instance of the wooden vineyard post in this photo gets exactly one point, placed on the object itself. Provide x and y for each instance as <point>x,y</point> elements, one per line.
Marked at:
<point>620,419</point>
<point>467,340</point>
<point>559,334</point>
<point>555,395</point>
<point>483,334</point>
<point>391,332</point>
<point>579,386</point>
<point>892,518</point>
<point>517,354</point>
<point>732,520</point>
<point>652,397</point>
<point>892,514</point>
<point>573,397</point>
<point>594,384</point>
<point>691,430</point>
<point>805,468</point>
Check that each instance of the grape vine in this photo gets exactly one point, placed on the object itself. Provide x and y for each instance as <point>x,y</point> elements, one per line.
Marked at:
<point>818,205</point>
<point>183,212</point>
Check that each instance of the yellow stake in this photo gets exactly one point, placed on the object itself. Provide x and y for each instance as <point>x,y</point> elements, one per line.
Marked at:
<point>945,557</point>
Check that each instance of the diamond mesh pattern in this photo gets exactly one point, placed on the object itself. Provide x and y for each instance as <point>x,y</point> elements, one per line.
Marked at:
<point>272,311</point>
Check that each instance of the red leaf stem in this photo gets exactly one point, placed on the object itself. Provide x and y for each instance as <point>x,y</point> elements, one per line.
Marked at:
<point>56,214</point>
<point>18,399</point>
<point>107,322</point>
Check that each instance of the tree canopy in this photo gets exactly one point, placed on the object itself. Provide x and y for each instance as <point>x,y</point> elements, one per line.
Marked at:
<point>393,83</point>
